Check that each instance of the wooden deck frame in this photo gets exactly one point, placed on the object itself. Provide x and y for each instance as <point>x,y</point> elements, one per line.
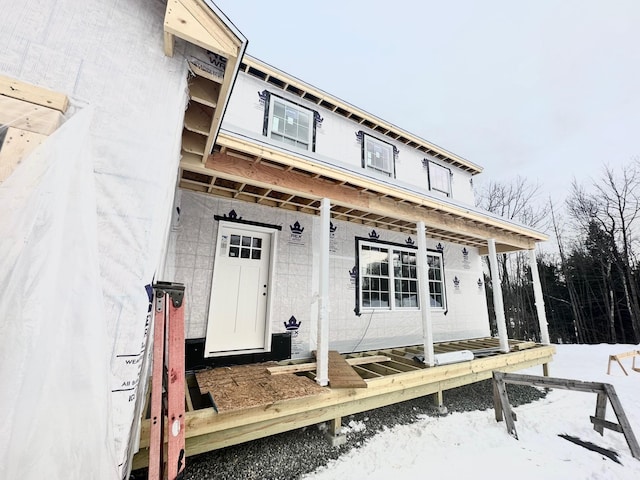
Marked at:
<point>207,430</point>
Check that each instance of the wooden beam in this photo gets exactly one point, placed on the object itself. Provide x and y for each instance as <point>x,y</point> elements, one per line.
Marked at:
<point>187,19</point>
<point>311,366</point>
<point>17,145</point>
<point>33,94</point>
<point>396,195</point>
<point>29,116</point>
<point>265,176</point>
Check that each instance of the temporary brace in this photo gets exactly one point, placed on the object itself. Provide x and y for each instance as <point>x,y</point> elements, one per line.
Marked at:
<point>604,391</point>
<point>168,352</point>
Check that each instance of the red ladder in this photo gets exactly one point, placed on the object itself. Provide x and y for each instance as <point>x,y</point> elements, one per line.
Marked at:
<point>168,352</point>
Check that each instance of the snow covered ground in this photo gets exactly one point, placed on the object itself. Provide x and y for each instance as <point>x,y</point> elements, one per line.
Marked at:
<point>474,445</point>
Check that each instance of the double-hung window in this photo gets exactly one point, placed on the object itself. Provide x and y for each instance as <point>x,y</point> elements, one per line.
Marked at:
<point>388,276</point>
<point>439,178</point>
<point>436,280</point>
<point>289,123</point>
<point>378,156</point>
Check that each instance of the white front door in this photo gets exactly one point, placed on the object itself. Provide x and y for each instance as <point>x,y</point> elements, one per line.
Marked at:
<point>238,307</point>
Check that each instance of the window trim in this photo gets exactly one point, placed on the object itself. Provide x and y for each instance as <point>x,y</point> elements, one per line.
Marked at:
<point>442,280</point>
<point>268,116</point>
<point>431,187</point>
<point>363,156</point>
<point>391,246</point>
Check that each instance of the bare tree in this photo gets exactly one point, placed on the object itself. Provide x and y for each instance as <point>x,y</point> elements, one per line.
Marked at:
<point>517,201</point>
<point>613,206</point>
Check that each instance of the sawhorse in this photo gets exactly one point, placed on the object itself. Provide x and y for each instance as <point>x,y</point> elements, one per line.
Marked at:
<point>168,352</point>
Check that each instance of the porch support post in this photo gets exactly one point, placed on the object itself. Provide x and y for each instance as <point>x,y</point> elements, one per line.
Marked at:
<point>498,302</point>
<point>537,293</point>
<point>425,299</point>
<point>322,353</point>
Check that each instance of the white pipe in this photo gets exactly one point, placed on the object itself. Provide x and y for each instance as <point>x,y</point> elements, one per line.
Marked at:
<point>498,302</point>
<point>537,293</point>
<point>423,286</point>
<point>322,353</point>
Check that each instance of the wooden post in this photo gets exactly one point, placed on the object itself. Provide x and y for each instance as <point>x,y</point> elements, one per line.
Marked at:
<point>425,302</point>
<point>498,302</point>
<point>622,420</point>
<point>322,354</point>
<point>539,299</point>
<point>334,426</point>
<point>601,411</point>
<point>499,384</point>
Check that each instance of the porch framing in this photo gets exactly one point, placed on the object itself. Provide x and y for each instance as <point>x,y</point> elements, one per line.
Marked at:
<point>207,430</point>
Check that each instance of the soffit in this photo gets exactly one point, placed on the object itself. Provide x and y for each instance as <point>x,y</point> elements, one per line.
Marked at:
<point>253,173</point>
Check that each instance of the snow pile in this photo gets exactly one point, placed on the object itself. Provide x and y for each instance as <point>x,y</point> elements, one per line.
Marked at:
<point>354,426</point>
<point>474,445</point>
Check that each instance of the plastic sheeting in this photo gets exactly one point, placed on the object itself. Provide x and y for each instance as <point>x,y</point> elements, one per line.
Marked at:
<point>54,351</point>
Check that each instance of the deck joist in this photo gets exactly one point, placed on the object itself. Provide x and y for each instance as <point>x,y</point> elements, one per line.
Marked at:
<point>390,381</point>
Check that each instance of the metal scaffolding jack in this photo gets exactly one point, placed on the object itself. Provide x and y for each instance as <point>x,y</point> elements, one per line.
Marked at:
<point>168,355</point>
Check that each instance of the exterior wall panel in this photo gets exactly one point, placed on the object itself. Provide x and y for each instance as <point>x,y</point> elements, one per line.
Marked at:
<point>295,289</point>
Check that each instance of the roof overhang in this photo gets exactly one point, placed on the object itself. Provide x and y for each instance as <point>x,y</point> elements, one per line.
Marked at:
<point>247,170</point>
<point>202,23</point>
<point>284,81</point>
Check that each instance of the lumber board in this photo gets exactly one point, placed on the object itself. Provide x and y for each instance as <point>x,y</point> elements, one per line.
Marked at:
<point>181,22</point>
<point>550,382</point>
<point>19,90</point>
<point>311,366</point>
<point>341,374</point>
<point>600,424</point>
<point>17,145</point>
<point>523,346</point>
<point>197,118</point>
<point>193,142</point>
<point>28,116</point>
<point>627,431</point>
<point>204,91</point>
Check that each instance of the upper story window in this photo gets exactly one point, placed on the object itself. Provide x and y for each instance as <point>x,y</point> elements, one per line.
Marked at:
<point>289,123</point>
<point>377,155</point>
<point>439,178</point>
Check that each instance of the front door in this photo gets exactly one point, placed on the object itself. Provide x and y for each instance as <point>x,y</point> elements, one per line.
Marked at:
<point>239,291</point>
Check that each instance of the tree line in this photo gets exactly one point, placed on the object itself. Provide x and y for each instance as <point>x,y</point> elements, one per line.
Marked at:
<point>590,283</point>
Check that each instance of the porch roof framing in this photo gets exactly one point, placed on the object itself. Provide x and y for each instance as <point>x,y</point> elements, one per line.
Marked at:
<point>259,173</point>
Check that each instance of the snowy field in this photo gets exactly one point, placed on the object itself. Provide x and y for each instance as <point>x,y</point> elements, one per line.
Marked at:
<point>474,445</point>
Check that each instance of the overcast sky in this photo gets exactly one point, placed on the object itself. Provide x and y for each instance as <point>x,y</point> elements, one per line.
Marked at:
<point>545,89</point>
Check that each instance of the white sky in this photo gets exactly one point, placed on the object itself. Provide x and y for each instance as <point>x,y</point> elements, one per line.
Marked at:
<point>545,89</point>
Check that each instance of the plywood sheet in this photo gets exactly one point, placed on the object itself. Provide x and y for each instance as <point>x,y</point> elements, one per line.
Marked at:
<point>246,386</point>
